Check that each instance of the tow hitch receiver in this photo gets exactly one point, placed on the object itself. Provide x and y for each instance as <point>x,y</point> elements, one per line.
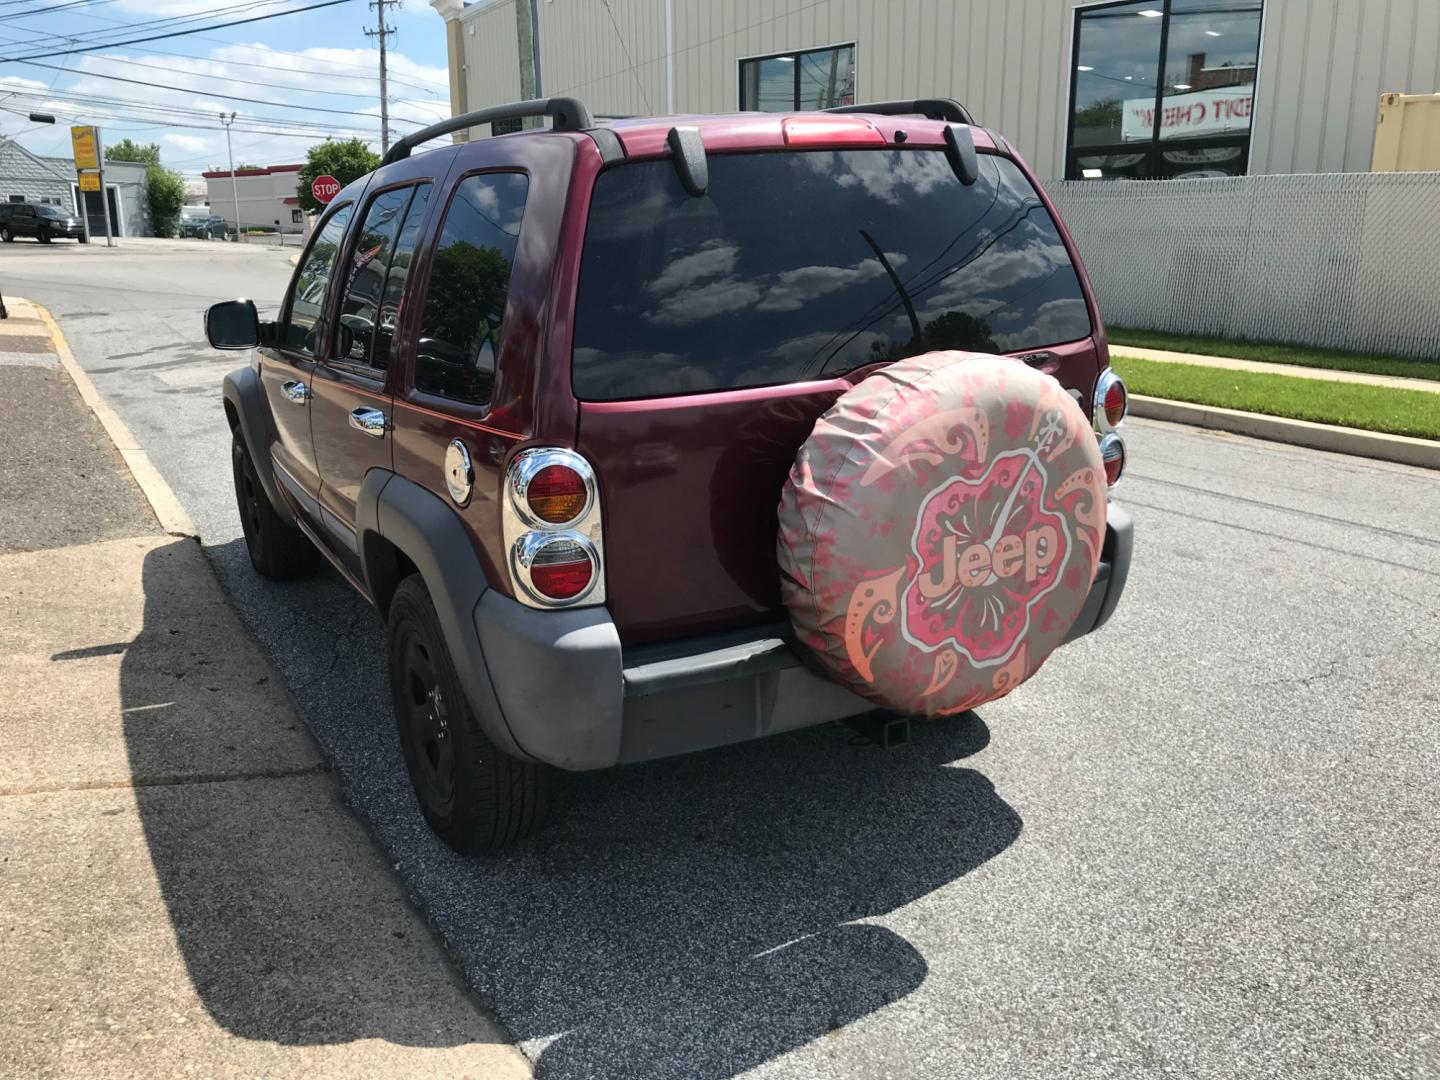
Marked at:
<point>884,729</point>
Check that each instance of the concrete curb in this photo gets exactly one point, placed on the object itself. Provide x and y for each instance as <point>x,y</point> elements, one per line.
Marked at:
<point>1341,440</point>
<point>172,516</point>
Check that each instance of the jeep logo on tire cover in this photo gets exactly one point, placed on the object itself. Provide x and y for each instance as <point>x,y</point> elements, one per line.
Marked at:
<point>941,529</point>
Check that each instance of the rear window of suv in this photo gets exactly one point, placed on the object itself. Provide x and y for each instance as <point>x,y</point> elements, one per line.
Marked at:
<point>807,265</point>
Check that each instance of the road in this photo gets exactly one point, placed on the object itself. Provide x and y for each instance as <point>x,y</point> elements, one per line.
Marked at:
<point>1202,842</point>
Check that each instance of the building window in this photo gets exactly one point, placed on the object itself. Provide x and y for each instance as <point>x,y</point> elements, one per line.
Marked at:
<point>791,82</point>
<point>1163,89</point>
<point>297,216</point>
<point>17,198</point>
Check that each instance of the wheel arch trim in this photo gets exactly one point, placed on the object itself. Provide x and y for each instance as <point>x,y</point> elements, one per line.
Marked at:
<point>245,409</point>
<point>396,515</point>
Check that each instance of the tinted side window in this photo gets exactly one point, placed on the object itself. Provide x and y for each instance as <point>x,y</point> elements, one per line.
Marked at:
<point>365,281</point>
<point>308,301</point>
<point>798,266</point>
<point>399,271</point>
<point>460,330</point>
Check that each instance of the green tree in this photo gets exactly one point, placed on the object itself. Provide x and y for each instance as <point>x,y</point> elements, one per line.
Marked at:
<point>1104,114</point>
<point>129,150</point>
<point>166,190</point>
<point>346,161</point>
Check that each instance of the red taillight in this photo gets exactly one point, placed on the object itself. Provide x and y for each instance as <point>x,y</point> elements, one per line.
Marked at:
<point>551,519</point>
<point>561,570</point>
<point>1115,401</point>
<point>556,494</point>
<point>830,131</point>
<point>1112,401</point>
<point>1112,455</point>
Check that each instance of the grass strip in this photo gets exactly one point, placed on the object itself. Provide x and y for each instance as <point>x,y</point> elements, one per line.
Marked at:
<point>1372,408</point>
<point>1274,353</point>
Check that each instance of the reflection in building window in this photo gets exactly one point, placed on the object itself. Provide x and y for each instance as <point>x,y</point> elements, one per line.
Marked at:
<point>1163,89</point>
<point>791,82</point>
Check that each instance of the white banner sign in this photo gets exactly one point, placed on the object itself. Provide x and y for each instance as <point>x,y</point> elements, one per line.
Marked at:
<point>1189,116</point>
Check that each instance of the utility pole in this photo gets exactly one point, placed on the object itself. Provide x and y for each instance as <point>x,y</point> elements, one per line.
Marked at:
<point>382,32</point>
<point>234,184</point>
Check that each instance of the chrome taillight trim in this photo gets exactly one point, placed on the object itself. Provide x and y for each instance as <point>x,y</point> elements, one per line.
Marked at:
<point>524,533</point>
<point>528,464</point>
<point>1109,441</point>
<point>522,561</point>
<point>1107,379</point>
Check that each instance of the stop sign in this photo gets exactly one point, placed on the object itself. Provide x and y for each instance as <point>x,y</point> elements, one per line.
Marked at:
<point>324,188</point>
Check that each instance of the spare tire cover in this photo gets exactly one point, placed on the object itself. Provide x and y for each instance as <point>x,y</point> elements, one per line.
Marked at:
<point>940,530</point>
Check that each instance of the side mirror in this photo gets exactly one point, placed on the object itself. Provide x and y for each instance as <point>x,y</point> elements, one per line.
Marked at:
<point>232,324</point>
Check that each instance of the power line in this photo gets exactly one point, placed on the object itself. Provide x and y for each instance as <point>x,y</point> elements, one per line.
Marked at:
<point>167,21</point>
<point>427,85</point>
<point>626,50</point>
<point>55,7</point>
<point>212,93</point>
<point>128,62</point>
<point>176,117</point>
<point>173,33</point>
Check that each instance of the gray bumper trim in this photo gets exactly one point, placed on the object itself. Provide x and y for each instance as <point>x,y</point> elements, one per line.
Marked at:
<point>572,697</point>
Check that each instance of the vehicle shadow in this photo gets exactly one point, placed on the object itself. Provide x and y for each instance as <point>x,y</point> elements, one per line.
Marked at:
<point>290,922</point>
<point>688,918</point>
<point>704,915</point>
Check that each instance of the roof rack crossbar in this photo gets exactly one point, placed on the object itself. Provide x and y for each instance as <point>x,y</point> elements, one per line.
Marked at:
<point>568,114</point>
<point>931,108</point>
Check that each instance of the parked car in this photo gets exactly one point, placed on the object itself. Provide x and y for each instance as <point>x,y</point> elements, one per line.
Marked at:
<point>204,226</point>
<point>40,220</point>
<point>654,435</point>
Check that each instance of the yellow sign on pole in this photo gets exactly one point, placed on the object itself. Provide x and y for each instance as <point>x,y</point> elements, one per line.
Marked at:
<point>89,181</point>
<point>82,142</point>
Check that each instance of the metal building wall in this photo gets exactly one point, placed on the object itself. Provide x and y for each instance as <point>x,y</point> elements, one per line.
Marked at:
<point>1323,66</point>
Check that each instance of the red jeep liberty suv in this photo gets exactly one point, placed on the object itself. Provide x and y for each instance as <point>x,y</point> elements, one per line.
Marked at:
<point>651,435</point>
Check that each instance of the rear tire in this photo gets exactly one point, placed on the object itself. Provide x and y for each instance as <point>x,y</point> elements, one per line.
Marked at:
<point>278,550</point>
<point>474,796</point>
<point>43,236</point>
<point>6,235</point>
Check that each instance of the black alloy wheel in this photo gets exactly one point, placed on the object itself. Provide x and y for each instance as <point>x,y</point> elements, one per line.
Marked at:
<point>425,726</point>
<point>474,795</point>
<point>278,550</point>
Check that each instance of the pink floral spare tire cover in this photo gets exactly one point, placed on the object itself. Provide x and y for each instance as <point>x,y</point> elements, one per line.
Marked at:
<point>940,530</point>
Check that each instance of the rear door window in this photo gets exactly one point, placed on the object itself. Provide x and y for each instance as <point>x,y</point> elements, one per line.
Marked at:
<point>799,266</point>
<point>367,311</point>
<point>461,326</point>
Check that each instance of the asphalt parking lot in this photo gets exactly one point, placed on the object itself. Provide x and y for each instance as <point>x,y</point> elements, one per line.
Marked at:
<point>1202,842</point>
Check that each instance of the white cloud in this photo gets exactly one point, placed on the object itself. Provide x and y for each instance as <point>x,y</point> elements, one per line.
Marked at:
<point>715,259</point>
<point>793,289</point>
<point>186,143</point>
<point>324,78</point>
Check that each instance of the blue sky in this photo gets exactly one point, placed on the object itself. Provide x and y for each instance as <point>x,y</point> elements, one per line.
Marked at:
<point>296,65</point>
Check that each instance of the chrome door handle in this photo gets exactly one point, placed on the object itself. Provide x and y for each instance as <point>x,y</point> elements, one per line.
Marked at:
<point>371,421</point>
<point>294,391</point>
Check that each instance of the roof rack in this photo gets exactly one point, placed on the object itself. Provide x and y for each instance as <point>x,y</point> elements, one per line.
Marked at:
<point>930,108</point>
<point>569,114</point>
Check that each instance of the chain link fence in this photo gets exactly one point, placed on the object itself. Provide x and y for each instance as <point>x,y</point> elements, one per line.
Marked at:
<point>1338,260</point>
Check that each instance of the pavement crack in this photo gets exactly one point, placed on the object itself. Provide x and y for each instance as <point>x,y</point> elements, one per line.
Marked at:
<point>167,781</point>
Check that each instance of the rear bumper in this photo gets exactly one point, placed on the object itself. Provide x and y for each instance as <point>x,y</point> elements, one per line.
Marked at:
<point>569,694</point>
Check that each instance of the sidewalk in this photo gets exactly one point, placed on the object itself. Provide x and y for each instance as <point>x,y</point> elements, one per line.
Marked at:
<point>182,890</point>
<point>1394,382</point>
